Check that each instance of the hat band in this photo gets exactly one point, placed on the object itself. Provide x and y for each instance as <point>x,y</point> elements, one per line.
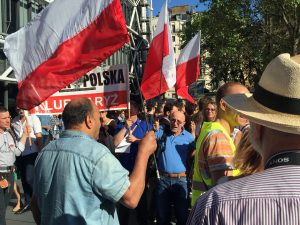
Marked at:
<point>277,102</point>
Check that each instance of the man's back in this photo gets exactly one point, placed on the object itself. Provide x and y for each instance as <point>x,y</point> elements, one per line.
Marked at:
<point>270,197</point>
<point>78,181</point>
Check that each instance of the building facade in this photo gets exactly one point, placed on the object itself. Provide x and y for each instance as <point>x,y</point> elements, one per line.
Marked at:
<point>178,17</point>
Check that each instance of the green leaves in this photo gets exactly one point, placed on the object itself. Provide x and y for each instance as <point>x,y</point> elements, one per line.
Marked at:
<point>239,37</point>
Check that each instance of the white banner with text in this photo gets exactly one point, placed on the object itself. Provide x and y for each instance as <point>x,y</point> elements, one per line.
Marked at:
<point>107,87</point>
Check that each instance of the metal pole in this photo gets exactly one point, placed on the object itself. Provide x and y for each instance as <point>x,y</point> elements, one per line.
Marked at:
<point>6,94</point>
<point>150,21</point>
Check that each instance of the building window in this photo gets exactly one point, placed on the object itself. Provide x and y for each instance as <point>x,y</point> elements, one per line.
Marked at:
<point>173,38</point>
<point>173,28</point>
<point>174,50</point>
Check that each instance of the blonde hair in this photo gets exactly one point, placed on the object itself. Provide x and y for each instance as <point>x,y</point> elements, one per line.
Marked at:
<point>247,160</point>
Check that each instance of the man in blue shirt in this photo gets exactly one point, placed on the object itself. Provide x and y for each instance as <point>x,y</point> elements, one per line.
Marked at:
<point>77,180</point>
<point>175,148</point>
<point>45,122</point>
<point>137,129</point>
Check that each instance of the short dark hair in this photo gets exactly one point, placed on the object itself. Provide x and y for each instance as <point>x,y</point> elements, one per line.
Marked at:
<point>133,104</point>
<point>190,108</point>
<point>168,107</point>
<point>179,104</point>
<point>150,106</point>
<point>223,90</point>
<point>3,109</point>
<point>76,112</point>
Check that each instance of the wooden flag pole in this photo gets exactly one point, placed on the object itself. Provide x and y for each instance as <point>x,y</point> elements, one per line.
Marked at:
<point>27,124</point>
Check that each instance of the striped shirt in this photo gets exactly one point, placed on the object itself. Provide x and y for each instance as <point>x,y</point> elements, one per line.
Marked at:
<point>267,198</point>
<point>215,154</point>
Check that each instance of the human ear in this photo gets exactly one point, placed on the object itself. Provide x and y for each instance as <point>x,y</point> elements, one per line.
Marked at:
<point>89,121</point>
<point>222,105</point>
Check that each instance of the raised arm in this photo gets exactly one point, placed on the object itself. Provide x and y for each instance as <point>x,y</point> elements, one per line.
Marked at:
<point>137,178</point>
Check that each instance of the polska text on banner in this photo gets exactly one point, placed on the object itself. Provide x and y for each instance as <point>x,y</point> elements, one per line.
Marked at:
<point>106,86</point>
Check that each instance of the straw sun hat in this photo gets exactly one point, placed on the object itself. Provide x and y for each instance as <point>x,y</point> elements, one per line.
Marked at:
<point>276,100</point>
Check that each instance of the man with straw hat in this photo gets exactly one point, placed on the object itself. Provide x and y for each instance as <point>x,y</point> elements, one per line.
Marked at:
<point>271,196</point>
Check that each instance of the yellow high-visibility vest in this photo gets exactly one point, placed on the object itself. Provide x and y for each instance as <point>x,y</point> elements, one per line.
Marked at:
<point>200,183</point>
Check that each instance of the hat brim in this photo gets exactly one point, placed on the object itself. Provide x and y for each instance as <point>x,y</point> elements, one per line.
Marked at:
<point>246,106</point>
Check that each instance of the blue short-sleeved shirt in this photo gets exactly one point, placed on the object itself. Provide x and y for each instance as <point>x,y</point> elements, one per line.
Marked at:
<point>174,151</point>
<point>78,181</point>
<point>128,159</point>
<point>45,121</point>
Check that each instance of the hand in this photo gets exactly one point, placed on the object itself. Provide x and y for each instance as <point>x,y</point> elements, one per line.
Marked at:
<point>27,130</point>
<point>193,126</point>
<point>131,138</point>
<point>128,124</point>
<point>48,127</point>
<point>148,143</point>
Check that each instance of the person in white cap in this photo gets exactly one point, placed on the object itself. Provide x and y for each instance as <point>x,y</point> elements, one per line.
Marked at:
<point>273,195</point>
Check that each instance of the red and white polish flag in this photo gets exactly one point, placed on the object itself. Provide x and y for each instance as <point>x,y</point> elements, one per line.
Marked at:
<point>160,69</point>
<point>65,41</point>
<point>187,69</point>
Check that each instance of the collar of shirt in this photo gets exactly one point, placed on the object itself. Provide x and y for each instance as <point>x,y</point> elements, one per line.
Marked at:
<point>74,134</point>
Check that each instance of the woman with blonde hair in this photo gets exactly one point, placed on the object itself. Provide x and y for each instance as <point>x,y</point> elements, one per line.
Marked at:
<point>247,160</point>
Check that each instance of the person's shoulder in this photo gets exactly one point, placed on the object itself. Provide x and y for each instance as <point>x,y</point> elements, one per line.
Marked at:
<point>271,182</point>
<point>215,135</point>
<point>230,191</point>
<point>188,135</point>
<point>142,122</point>
<point>34,118</point>
<point>15,119</point>
<point>82,145</point>
<point>144,125</point>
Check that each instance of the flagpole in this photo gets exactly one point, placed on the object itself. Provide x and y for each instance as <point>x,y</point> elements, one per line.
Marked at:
<point>27,124</point>
<point>143,109</point>
<point>128,94</point>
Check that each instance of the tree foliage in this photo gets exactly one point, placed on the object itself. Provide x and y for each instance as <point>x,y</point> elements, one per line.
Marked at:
<point>239,37</point>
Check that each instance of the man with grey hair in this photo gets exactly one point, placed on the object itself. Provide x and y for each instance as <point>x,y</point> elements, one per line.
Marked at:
<point>271,196</point>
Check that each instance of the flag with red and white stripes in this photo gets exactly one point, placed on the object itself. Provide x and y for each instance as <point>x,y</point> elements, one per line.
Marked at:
<point>65,41</point>
<point>187,69</point>
<point>160,69</point>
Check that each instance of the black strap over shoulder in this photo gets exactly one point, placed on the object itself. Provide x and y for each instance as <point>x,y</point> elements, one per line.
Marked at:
<point>291,157</point>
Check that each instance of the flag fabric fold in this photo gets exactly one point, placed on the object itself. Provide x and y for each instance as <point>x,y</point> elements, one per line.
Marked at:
<point>160,69</point>
<point>65,41</point>
<point>187,68</point>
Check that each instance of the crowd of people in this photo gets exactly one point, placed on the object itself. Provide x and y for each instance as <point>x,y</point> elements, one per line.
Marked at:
<point>231,158</point>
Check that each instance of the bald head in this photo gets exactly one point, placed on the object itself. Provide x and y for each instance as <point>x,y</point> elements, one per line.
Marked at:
<point>178,115</point>
<point>76,111</point>
<point>230,88</point>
